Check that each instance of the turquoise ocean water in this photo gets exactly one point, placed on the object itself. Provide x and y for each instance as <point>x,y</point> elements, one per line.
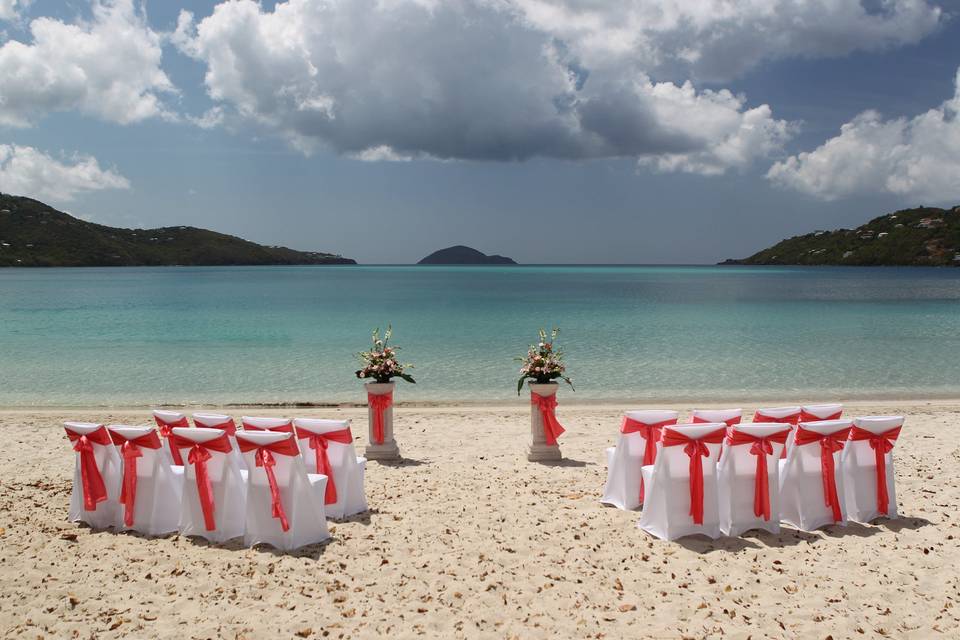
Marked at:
<point>148,336</point>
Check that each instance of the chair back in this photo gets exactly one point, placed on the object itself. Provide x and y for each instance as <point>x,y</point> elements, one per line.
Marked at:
<point>285,466</point>
<point>218,461</point>
<point>96,474</point>
<point>813,412</point>
<point>215,421</point>
<point>653,416</point>
<point>148,457</point>
<point>171,418</point>
<point>777,414</point>
<point>676,461</point>
<point>254,423</point>
<point>726,416</point>
<point>741,461</point>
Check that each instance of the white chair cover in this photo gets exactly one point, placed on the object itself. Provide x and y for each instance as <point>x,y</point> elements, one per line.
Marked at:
<point>670,510</point>
<point>749,501</point>
<point>867,468</point>
<point>219,421</point>
<point>215,421</point>
<point>636,446</point>
<point>151,487</point>
<point>280,425</point>
<point>284,503</point>
<point>209,453</point>
<point>166,421</point>
<point>816,412</point>
<point>805,501</point>
<point>94,502</point>
<point>782,415</point>
<point>727,416</point>
<point>345,494</point>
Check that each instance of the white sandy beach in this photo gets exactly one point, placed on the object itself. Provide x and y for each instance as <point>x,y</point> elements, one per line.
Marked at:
<point>468,539</point>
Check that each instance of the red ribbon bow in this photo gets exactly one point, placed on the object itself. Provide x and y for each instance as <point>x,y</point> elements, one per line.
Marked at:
<point>166,430</point>
<point>696,449</point>
<point>227,425</point>
<point>882,444</point>
<point>551,426</point>
<point>805,416</point>
<point>761,448</point>
<point>379,403</point>
<point>286,427</point>
<point>319,442</point>
<point>793,419</point>
<point>729,421</point>
<point>264,458</point>
<point>829,444</point>
<point>650,434</point>
<point>130,451</point>
<point>94,490</point>
<point>198,456</point>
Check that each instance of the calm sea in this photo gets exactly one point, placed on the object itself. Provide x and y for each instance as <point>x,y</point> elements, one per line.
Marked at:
<point>149,336</point>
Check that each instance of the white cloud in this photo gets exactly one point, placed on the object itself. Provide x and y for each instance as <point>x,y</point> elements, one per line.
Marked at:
<point>916,158</point>
<point>108,67</point>
<point>27,171</point>
<point>10,9</point>
<point>720,39</point>
<point>461,79</point>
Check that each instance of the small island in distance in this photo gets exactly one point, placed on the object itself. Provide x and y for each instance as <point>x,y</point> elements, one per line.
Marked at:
<point>33,234</point>
<point>460,254</point>
<point>920,237</point>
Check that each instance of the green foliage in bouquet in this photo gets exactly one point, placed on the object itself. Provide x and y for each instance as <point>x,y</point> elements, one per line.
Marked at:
<point>543,363</point>
<point>380,363</point>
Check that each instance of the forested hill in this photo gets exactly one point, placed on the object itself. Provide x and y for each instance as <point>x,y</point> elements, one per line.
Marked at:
<point>33,234</point>
<point>925,236</point>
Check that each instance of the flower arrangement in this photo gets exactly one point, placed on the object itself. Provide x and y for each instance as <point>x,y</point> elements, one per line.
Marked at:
<point>380,363</point>
<point>543,363</point>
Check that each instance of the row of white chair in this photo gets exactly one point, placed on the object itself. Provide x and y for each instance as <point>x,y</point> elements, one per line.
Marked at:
<point>327,447</point>
<point>834,470</point>
<point>253,483</point>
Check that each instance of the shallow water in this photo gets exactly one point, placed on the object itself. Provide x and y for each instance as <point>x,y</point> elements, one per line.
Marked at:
<point>288,334</point>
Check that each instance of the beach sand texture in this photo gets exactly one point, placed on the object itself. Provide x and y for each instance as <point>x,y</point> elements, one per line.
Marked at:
<point>467,539</point>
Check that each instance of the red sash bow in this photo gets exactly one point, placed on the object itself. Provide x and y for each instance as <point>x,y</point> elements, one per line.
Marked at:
<point>94,490</point>
<point>650,434</point>
<point>551,426</point>
<point>227,425</point>
<point>264,458</point>
<point>166,430</point>
<point>729,421</point>
<point>809,417</point>
<point>198,456</point>
<point>286,427</point>
<point>130,451</point>
<point>761,448</point>
<point>829,444</point>
<point>882,444</point>
<point>319,442</point>
<point>696,449</point>
<point>379,402</point>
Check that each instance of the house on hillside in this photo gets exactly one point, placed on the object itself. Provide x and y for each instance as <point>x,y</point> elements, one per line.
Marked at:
<point>929,223</point>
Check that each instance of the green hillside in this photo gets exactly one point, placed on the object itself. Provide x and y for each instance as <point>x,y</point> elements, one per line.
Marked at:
<point>925,236</point>
<point>33,234</point>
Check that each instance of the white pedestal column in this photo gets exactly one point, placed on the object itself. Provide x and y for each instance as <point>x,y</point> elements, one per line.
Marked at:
<point>539,449</point>
<point>388,450</point>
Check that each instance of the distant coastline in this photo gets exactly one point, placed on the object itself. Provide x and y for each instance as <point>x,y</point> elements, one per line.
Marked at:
<point>33,234</point>
<point>920,237</point>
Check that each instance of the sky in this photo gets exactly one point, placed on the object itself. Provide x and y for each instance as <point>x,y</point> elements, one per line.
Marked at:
<point>551,131</point>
